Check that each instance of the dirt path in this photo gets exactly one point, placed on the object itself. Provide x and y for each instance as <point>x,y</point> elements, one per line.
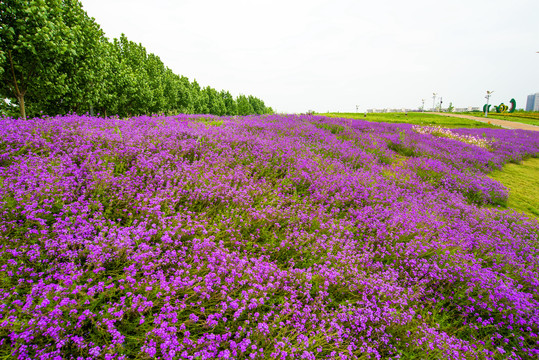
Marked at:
<point>502,123</point>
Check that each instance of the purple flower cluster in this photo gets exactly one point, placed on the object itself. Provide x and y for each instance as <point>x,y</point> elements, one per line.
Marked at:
<point>283,237</point>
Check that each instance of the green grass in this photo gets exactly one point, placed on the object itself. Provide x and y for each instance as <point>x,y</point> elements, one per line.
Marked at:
<point>522,180</point>
<point>414,118</point>
<point>525,117</point>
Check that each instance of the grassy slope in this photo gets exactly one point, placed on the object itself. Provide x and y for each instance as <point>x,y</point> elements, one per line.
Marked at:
<point>414,118</point>
<point>522,180</point>
<point>531,118</point>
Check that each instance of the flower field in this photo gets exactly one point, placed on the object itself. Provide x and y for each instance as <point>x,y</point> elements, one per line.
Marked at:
<point>262,237</point>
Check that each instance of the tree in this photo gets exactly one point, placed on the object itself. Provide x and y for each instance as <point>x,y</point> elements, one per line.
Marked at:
<point>155,70</point>
<point>131,88</point>
<point>55,58</point>
<point>230,104</point>
<point>244,107</point>
<point>34,42</point>
<point>184,96</point>
<point>199,98</point>
<point>170,89</point>
<point>84,67</point>
<point>257,105</point>
<point>216,105</point>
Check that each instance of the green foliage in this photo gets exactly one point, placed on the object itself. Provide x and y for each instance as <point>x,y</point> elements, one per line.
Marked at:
<point>231,107</point>
<point>83,67</point>
<point>402,149</point>
<point>36,42</point>
<point>244,107</point>
<point>55,59</point>
<point>332,128</point>
<point>257,105</point>
<point>8,109</point>
<point>216,103</point>
<point>513,105</point>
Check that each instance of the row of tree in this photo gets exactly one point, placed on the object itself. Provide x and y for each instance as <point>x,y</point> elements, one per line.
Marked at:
<point>55,59</point>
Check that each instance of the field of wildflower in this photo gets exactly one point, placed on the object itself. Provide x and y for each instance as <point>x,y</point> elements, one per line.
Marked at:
<point>262,237</point>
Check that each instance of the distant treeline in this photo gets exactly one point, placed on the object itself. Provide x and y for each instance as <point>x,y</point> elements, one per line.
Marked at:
<point>55,59</point>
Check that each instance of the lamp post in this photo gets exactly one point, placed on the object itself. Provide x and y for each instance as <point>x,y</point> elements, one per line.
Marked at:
<point>489,93</point>
<point>357,108</point>
<point>422,104</point>
<point>434,101</point>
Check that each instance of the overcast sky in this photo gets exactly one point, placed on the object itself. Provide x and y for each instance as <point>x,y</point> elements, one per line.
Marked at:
<point>333,55</point>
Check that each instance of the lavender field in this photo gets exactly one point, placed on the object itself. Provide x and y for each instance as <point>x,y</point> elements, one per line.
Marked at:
<point>262,237</point>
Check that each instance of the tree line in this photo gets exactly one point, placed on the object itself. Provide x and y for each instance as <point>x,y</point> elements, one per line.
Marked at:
<point>55,59</point>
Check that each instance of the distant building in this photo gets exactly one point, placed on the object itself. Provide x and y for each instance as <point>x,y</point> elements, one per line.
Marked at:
<point>404,110</point>
<point>388,110</point>
<point>533,102</point>
<point>469,108</point>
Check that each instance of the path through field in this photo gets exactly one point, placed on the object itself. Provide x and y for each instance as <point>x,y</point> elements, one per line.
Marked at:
<point>502,123</point>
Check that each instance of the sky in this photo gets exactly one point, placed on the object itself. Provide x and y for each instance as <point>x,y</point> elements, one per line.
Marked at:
<point>340,55</point>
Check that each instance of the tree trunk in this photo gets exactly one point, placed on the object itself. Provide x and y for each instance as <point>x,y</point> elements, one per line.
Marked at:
<point>18,93</point>
<point>20,97</point>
